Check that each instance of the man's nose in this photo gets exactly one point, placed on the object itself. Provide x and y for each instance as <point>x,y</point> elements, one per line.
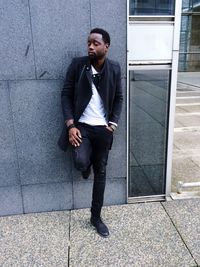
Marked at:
<point>91,47</point>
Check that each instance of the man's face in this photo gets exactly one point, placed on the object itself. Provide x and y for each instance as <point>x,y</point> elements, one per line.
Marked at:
<point>97,48</point>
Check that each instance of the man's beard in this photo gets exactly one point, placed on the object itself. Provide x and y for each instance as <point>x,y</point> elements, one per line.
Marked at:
<point>94,57</point>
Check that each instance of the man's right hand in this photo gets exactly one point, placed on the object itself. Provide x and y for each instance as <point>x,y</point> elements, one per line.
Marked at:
<point>75,136</point>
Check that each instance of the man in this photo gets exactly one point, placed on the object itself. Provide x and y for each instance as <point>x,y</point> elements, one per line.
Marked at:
<point>92,101</point>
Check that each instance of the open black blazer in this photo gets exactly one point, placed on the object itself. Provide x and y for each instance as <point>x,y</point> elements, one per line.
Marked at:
<point>77,92</point>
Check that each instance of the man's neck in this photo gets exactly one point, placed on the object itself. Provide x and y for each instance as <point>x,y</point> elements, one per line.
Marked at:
<point>98,64</point>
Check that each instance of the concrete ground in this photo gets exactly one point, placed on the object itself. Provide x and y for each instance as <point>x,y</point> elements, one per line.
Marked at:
<point>186,153</point>
<point>141,235</point>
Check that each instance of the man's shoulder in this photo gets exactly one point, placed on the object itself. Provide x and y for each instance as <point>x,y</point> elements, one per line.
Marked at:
<point>114,64</point>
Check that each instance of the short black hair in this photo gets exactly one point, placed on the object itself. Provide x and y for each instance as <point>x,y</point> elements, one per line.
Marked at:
<point>105,34</point>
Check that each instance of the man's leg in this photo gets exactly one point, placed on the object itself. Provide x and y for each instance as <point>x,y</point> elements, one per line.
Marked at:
<point>100,147</point>
<point>82,153</point>
<point>99,159</point>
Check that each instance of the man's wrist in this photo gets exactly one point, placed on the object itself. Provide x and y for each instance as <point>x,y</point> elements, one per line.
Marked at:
<point>113,123</point>
<point>112,126</point>
<point>69,122</point>
<point>71,126</point>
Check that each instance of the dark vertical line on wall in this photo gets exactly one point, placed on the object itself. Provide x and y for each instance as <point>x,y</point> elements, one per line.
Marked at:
<point>179,233</point>
<point>90,13</point>
<point>70,213</point>
<point>32,38</point>
<point>15,141</point>
<point>72,177</point>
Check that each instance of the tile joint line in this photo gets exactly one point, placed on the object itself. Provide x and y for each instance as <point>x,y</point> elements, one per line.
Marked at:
<point>69,238</point>
<point>179,233</point>
<point>16,147</point>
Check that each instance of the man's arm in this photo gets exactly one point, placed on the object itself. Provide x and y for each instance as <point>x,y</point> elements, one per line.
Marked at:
<point>67,100</point>
<point>118,100</point>
<point>67,94</point>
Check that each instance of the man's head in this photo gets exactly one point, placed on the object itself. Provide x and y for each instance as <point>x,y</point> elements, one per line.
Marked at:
<point>98,43</point>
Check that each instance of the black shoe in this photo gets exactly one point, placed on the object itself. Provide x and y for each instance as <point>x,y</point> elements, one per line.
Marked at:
<point>86,174</point>
<point>101,228</point>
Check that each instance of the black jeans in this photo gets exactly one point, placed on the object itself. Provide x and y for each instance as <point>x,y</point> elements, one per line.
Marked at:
<point>94,149</point>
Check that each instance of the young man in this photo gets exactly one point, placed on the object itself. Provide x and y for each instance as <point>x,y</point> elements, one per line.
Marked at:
<point>92,101</point>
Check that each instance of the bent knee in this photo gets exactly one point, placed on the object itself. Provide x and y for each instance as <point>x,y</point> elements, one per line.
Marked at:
<point>81,163</point>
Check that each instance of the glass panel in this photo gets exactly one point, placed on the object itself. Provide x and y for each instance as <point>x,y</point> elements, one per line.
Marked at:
<point>190,43</point>
<point>196,5</point>
<point>148,122</point>
<point>189,62</point>
<point>191,5</point>
<point>152,7</point>
<point>186,5</point>
<point>185,33</point>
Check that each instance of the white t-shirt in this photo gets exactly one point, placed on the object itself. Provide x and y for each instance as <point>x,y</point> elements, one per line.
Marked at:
<point>94,114</point>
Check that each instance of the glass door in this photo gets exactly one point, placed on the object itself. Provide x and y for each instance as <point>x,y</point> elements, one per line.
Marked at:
<point>153,30</point>
<point>149,92</point>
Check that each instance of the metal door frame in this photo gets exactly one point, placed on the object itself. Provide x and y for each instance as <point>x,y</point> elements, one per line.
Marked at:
<point>172,99</point>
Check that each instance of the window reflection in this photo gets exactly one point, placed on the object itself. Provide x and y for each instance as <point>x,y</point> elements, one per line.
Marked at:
<point>189,58</point>
<point>191,5</point>
<point>152,7</point>
<point>148,116</point>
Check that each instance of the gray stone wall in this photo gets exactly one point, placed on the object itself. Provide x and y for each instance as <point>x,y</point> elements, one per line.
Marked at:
<point>38,41</point>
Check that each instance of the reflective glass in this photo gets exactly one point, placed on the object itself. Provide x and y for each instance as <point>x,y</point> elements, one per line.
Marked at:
<point>148,123</point>
<point>152,7</point>
<point>190,43</point>
<point>191,5</point>
<point>186,5</point>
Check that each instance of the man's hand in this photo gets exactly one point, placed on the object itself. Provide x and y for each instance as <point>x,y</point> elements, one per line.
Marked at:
<point>109,129</point>
<point>75,136</point>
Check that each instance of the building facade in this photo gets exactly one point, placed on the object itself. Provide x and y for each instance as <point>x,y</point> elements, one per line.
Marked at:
<point>189,57</point>
<point>38,41</point>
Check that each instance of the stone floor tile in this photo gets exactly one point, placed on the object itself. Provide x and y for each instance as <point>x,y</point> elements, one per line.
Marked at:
<point>35,240</point>
<point>185,215</point>
<point>187,140</point>
<point>187,120</point>
<point>185,170</point>
<point>140,235</point>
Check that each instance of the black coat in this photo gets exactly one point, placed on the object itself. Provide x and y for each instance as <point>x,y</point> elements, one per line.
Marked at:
<point>77,92</point>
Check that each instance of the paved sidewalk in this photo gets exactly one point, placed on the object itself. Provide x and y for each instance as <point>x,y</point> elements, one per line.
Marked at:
<point>145,234</point>
<point>186,153</point>
<point>191,78</point>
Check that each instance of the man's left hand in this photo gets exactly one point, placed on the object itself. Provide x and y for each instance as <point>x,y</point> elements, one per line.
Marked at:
<point>109,129</point>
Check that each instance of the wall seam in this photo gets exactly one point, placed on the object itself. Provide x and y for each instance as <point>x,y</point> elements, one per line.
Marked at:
<point>32,39</point>
<point>72,177</point>
<point>90,5</point>
<point>15,141</point>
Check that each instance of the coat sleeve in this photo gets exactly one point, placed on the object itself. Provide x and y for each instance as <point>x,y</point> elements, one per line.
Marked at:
<point>67,94</point>
<point>118,99</point>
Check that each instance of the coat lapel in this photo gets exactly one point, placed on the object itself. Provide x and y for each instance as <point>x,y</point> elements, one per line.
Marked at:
<point>84,90</point>
<point>103,88</point>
